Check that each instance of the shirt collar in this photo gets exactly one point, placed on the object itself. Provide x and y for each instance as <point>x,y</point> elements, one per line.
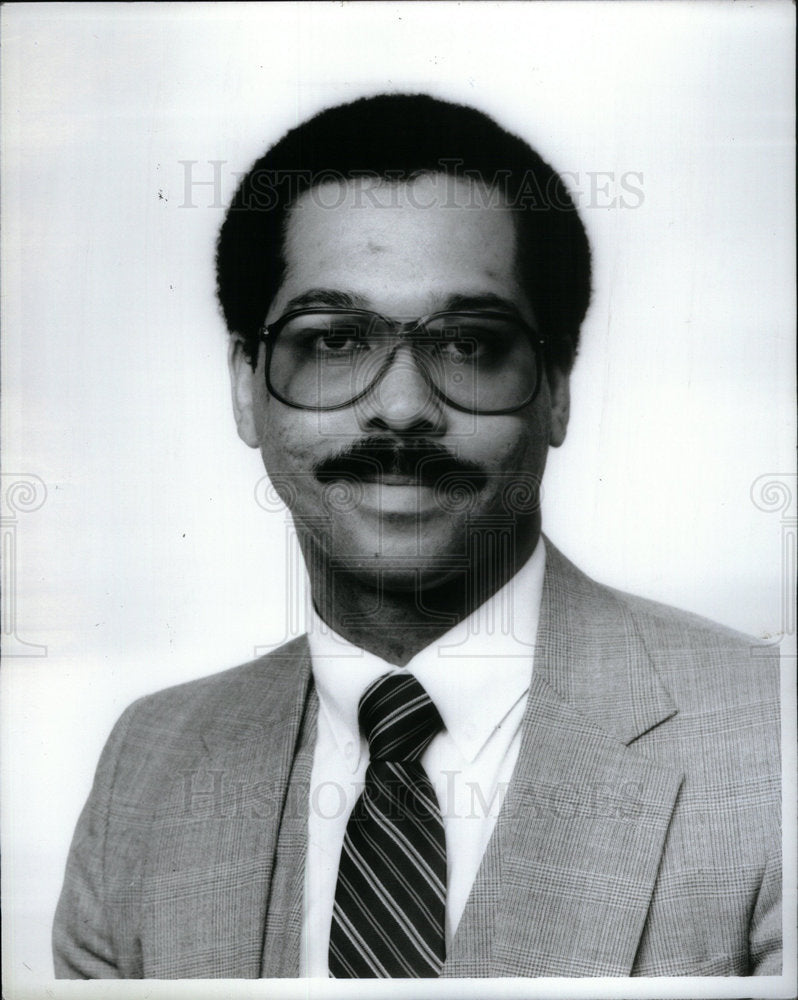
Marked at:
<point>475,673</point>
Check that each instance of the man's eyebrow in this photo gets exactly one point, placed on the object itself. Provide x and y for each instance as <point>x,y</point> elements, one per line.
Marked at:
<point>326,297</point>
<point>485,300</point>
<point>337,299</point>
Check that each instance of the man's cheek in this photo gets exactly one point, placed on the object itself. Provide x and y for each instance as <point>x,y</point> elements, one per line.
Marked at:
<point>290,464</point>
<point>284,444</point>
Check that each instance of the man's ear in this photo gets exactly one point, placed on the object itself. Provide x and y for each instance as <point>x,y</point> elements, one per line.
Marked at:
<point>242,383</point>
<point>560,392</point>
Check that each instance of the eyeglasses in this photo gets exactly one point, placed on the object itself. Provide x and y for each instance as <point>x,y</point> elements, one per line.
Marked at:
<point>477,362</point>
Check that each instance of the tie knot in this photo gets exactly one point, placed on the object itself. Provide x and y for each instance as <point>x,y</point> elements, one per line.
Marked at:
<point>398,718</point>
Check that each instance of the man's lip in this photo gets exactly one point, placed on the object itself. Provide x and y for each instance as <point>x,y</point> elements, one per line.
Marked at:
<point>420,479</point>
<point>380,479</point>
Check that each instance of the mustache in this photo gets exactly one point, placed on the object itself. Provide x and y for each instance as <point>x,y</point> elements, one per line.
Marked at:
<point>376,456</point>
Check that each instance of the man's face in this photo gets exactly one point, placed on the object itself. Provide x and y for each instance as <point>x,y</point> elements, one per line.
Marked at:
<point>403,251</point>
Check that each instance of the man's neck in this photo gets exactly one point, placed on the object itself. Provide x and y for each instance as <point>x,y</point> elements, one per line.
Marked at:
<point>396,622</point>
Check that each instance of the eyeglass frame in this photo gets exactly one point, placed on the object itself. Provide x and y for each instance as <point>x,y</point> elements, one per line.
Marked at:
<point>269,332</point>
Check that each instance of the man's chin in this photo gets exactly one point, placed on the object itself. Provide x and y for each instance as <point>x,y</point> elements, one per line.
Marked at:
<point>420,579</point>
<point>401,574</point>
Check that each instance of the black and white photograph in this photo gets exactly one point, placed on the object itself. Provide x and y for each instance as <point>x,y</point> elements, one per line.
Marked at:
<point>398,499</point>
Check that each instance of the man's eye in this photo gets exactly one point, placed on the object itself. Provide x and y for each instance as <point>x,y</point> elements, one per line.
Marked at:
<point>462,349</point>
<point>469,347</point>
<point>338,341</point>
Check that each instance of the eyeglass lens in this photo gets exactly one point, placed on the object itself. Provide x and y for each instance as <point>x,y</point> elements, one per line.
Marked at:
<point>479,363</point>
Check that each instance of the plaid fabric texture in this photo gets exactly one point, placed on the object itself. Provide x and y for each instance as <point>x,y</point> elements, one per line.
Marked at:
<point>640,834</point>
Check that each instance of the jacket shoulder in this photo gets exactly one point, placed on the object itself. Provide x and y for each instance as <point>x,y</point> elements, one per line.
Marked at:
<point>171,729</point>
<point>701,658</point>
<point>230,690</point>
<point>680,626</point>
<point>709,664</point>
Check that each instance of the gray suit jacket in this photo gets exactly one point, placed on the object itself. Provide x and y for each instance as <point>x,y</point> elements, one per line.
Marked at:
<point>640,834</point>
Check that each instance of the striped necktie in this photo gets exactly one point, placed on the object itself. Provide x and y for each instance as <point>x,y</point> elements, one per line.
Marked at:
<point>390,901</point>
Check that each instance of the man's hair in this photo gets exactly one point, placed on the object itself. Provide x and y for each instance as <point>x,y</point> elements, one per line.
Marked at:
<point>397,137</point>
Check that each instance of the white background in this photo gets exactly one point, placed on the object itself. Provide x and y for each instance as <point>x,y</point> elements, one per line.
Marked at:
<point>150,561</point>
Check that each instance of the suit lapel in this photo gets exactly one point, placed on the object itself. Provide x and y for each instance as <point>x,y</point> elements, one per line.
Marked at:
<point>207,888</point>
<point>565,883</point>
<point>283,934</point>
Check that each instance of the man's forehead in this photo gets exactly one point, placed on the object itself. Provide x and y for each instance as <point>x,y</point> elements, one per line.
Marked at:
<point>414,248</point>
<point>434,217</point>
<point>424,190</point>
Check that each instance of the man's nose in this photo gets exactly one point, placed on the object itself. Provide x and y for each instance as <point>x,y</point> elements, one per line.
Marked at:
<point>403,400</point>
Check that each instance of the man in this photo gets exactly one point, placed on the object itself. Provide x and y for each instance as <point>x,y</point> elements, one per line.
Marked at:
<point>479,762</point>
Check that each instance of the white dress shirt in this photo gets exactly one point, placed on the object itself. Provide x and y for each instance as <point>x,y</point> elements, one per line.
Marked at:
<point>478,676</point>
